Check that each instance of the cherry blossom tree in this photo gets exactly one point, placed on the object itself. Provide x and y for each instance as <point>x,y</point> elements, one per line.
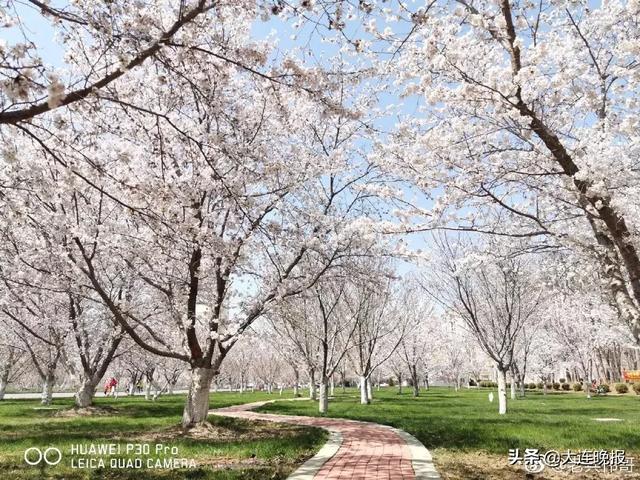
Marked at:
<point>248,216</point>
<point>319,327</point>
<point>379,325</point>
<point>523,108</point>
<point>40,327</point>
<point>495,296</point>
<point>102,43</point>
<point>13,360</point>
<point>267,367</point>
<point>96,341</point>
<point>238,365</point>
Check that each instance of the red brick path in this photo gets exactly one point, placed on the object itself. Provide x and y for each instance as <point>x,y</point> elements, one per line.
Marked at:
<point>368,451</point>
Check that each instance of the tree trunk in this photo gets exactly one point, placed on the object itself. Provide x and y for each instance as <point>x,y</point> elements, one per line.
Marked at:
<point>323,404</point>
<point>196,406</point>
<point>415,381</point>
<point>3,387</point>
<point>312,385</point>
<point>331,387</point>
<point>502,391</point>
<point>522,387</point>
<point>399,377</point>
<point>369,390</point>
<point>47,387</point>
<point>158,390</point>
<point>147,389</point>
<point>364,398</point>
<point>84,395</point>
<point>513,388</point>
<point>4,380</point>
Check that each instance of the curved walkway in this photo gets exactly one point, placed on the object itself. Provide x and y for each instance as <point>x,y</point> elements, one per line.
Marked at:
<point>355,450</point>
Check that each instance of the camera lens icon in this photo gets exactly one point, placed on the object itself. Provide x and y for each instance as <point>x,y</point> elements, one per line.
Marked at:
<point>34,456</point>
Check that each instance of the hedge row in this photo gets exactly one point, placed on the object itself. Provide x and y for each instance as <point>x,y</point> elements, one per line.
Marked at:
<point>577,387</point>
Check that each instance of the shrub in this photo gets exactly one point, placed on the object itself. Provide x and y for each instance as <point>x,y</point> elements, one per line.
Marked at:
<point>605,388</point>
<point>622,388</point>
<point>539,385</point>
<point>577,387</point>
<point>508,384</point>
<point>555,385</point>
<point>562,380</point>
<point>472,383</point>
<point>566,387</point>
<point>532,386</point>
<point>549,386</point>
<point>636,388</point>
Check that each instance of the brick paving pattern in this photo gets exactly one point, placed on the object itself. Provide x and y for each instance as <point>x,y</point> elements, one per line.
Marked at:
<point>368,451</point>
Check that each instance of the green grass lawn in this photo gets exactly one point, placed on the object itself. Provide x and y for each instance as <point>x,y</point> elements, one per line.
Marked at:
<point>232,449</point>
<point>470,440</point>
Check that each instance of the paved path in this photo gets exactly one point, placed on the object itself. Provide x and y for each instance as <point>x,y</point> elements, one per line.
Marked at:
<point>355,451</point>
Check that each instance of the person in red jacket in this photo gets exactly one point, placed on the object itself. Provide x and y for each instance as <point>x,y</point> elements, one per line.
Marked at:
<point>110,386</point>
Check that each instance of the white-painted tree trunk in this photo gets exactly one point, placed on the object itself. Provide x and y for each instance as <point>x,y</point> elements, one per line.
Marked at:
<point>3,387</point>
<point>131,390</point>
<point>157,391</point>
<point>502,392</point>
<point>147,390</point>
<point>369,390</point>
<point>312,385</point>
<point>332,387</point>
<point>4,380</point>
<point>323,403</point>
<point>296,389</point>
<point>364,398</point>
<point>513,389</point>
<point>47,388</point>
<point>196,406</point>
<point>84,396</point>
